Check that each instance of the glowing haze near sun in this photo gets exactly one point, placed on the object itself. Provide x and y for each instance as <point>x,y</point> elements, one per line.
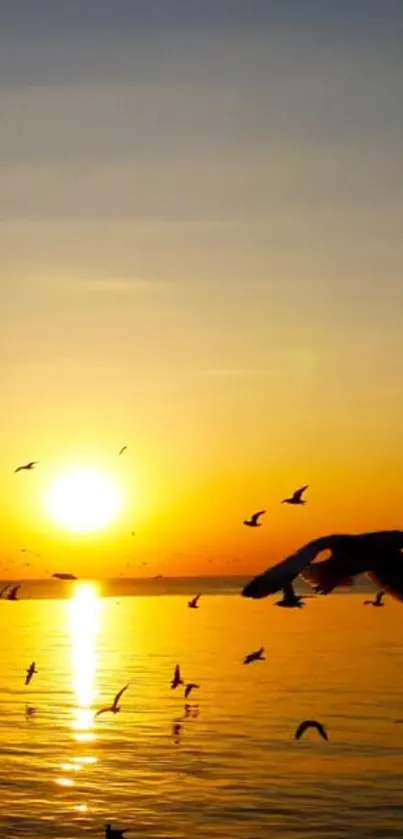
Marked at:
<point>83,500</point>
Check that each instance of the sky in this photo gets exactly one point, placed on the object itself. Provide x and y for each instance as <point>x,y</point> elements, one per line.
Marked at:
<point>201,209</point>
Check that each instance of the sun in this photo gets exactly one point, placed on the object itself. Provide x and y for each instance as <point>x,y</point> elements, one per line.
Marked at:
<point>83,500</point>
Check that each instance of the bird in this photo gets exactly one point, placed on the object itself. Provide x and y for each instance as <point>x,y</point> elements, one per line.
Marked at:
<point>377,554</point>
<point>31,670</point>
<point>27,466</point>
<point>296,498</point>
<point>193,603</point>
<point>115,707</point>
<point>177,679</point>
<point>114,833</point>
<point>310,724</point>
<point>123,449</point>
<point>378,600</point>
<point>30,711</point>
<point>189,687</point>
<point>4,589</point>
<point>255,656</point>
<point>254,519</point>
<point>63,576</point>
<point>290,599</point>
<point>12,594</point>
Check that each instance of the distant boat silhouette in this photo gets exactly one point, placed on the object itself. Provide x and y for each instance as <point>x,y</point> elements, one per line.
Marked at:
<point>64,576</point>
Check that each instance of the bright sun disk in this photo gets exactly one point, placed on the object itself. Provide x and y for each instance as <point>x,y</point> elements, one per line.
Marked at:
<point>83,500</point>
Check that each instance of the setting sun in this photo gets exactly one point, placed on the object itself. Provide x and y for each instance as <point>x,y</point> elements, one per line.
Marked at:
<point>83,500</point>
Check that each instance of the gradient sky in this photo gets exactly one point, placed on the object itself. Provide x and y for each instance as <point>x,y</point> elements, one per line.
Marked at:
<point>201,211</point>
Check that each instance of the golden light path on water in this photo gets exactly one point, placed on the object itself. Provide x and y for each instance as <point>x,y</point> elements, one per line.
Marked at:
<point>84,620</point>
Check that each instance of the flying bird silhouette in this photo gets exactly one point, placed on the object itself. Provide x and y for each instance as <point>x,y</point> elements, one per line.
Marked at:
<point>291,600</point>
<point>255,656</point>
<point>193,603</point>
<point>377,601</point>
<point>123,449</point>
<point>377,554</point>
<point>27,466</point>
<point>254,519</point>
<point>12,594</point>
<point>63,576</point>
<point>310,724</point>
<point>177,679</point>
<point>115,707</point>
<point>296,498</point>
<point>114,833</point>
<point>189,687</point>
<point>31,670</point>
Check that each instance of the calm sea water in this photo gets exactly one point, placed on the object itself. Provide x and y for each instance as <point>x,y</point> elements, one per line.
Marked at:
<point>233,768</point>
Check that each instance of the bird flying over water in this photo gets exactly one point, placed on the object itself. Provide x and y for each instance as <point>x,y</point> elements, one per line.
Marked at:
<point>115,707</point>
<point>254,519</point>
<point>114,833</point>
<point>177,678</point>
<point>189,687</point>
<point>31,670</point>
<point>27,466</point>
<point>256,656</point>
<point>12,594</point>
<point>123,449</point>
<point>193,603</point>
<point>377,601</point>
<point>290,599</point>
<point>296,498</point>
<point>64,576</point>
<point>310,724</point>
<point>377,554</point>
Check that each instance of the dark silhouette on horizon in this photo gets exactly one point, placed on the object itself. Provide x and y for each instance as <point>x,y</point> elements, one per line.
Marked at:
<point>114,833</point>
<point>290,599</point>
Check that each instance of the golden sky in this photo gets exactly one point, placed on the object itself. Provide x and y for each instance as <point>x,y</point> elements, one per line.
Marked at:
<point>200,258</point>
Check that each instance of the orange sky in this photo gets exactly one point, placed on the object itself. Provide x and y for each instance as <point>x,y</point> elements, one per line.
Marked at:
<point>200,259</point>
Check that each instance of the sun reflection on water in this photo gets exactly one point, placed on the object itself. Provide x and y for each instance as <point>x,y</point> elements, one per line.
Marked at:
<point>84,626</point>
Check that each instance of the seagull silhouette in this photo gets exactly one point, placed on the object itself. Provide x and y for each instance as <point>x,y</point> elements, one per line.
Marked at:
<point>123,449</point>
<point>63,576</point>
<point>378,600</point>
<point>256,656</point>
<point>254,519</point>
<point>114,833</point>
<point>377,554</point>
<point>296,498</point>
<point>189,687</point>
<point>31,670</point>
<point>12,594</point>
<point>290,599</point>
<point>27,466</point>
<point>177,679</point>
<point>310,724</point>
<point>115,707</point>
<point>193,603</point>
<point>4,589</point>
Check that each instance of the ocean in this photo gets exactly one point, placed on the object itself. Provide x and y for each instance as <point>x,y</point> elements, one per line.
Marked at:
<point>229,765</point>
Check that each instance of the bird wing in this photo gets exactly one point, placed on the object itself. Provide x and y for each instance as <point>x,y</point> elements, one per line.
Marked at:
<point>257,515</point>
<point>310,724</point>
<point>196,599</point>
<point>102,711</point>
<point>284,572</point>
<point>188,688</point>
<point>298,492</point>
<point>4,589</point>
<point>177,674</point>
<point>379,597</point>
<point>118,695</point>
